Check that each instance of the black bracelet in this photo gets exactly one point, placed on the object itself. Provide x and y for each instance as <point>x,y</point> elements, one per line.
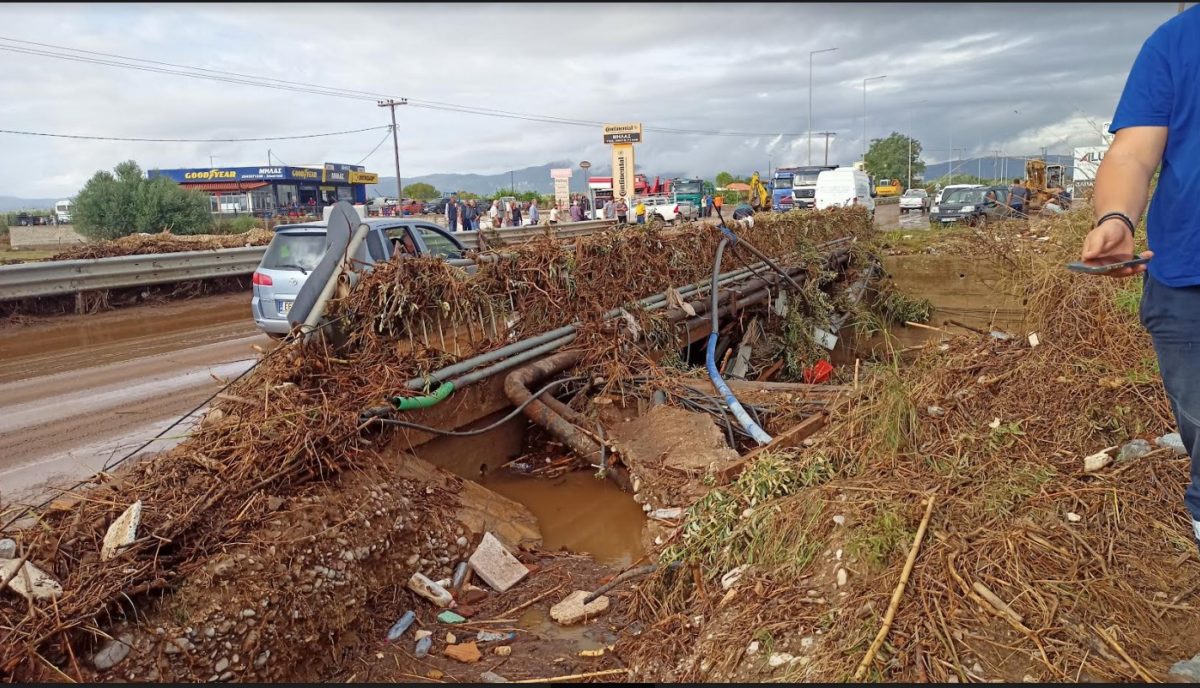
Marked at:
<point>1120,216</point>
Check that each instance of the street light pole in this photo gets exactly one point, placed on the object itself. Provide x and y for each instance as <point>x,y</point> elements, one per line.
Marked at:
<point>584,165</point>
<point>810,89</point>
<point>864,145</point>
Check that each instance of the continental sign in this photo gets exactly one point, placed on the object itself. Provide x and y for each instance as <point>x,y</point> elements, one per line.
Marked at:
<point>623,133</point>
<point>364,178</point>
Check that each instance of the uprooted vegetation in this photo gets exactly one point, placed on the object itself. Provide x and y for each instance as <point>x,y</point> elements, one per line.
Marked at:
<point>277,482</point>
<point>1032,568</point>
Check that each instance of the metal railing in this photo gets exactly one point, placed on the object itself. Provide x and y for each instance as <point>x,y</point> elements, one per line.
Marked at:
<point>51,278</point>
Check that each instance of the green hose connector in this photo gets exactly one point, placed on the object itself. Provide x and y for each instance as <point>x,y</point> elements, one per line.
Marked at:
<point>422,402</point>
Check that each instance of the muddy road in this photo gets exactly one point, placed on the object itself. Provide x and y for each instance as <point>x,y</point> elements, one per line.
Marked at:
<point>76,391</point>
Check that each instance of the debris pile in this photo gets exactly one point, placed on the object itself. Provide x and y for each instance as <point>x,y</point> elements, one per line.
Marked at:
<point>163,242</point>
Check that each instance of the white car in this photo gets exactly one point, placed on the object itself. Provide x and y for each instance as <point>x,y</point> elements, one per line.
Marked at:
<point>670,210</point>
<point>915,199</point>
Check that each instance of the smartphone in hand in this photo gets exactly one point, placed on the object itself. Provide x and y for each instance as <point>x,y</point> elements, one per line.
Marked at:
<point>1099,266</point>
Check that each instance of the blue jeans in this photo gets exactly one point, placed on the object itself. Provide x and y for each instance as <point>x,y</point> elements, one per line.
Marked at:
<point>1172,316</point>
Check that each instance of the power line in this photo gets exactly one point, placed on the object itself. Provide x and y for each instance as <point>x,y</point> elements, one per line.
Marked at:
<point>381,142</point>
<point>332,91</point>
<point>129,138</point>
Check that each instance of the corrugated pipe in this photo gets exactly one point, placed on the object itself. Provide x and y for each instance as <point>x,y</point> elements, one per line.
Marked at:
<point>516,388</point>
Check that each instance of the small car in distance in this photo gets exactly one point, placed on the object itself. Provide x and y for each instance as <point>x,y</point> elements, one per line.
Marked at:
<point>915,199</point>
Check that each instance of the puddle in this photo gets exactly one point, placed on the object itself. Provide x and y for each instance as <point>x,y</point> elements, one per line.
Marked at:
<point>587,636</point>
<point>579,513</point>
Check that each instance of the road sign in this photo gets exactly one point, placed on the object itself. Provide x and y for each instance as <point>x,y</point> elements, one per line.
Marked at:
<point>623,133</point>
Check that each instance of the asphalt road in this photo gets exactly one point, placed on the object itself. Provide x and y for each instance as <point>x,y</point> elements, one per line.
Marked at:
<point>76,391</point>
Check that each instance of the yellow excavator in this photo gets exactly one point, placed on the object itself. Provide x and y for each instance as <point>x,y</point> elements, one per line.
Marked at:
<point>1040,178</point>
<point>760,198</point>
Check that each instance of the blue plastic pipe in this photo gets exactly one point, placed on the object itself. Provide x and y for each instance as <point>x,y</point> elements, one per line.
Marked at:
<point>710,354</point>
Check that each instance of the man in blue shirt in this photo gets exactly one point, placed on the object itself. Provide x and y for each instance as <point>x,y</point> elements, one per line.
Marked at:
<point>1158,122</point>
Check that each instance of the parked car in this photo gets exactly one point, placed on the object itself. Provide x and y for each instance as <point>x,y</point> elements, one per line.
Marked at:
<point>974,206</point>
<point>844,187</point>
<point>942,192</point>
<point>296,249</point>
<point>915,199</point>
<point>669,210</point>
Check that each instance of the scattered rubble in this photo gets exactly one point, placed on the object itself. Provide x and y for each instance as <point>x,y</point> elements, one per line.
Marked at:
<point>572,610</point>
<point>495,565</point>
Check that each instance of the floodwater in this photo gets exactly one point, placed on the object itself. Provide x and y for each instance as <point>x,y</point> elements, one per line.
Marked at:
<point>579,513</point>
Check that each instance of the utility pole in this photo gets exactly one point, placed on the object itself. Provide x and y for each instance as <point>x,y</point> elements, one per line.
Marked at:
<point>826,134</point>
<point>210,160</point>
<point>810,89</point>
<point>391,104</point>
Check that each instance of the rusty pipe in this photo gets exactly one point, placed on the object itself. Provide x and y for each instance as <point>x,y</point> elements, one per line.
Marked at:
<point>516,388</point>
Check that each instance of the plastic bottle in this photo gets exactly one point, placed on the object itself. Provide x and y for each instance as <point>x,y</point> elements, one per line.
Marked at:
<point>430,590</point>
<point>402,625</point>
<point>423,646</point>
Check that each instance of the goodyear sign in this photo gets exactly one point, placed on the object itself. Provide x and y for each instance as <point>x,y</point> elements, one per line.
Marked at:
<point>364,178</point>
<point>623,133</point>
<point>330,173</point>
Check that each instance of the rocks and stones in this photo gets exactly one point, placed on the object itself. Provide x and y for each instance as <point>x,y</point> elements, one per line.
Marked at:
<point>839,520</point>
<point>430,590</point>
<point>417,635</point>
<point>449,617</point>
<point>492,677</point>
<point>30,582</point>
<point>1074,517</point>
<point>1134,449</point>
<point>496,565</point>
<point>752,648</point>
<point>1171,441</point>
<point>8,548</point>
<point>1187,670</point>
<point>221,665</point>
<point>122,532</point>
<point>461,542</point>
<point>502,651</point>
<point>842,577</point>
<point>467,653</point>
<point>779,659</point>
<point>174,647</point>
<point>1096,461</point>
<point>572,610</point>
<point>113,652</point>
<point>730,579</point>
<point>936,411</point>
<point>492,636</point>
<point>262,659</point>
<point>806,643</point>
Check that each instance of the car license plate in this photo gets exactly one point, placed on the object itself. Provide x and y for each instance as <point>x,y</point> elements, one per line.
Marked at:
<point>948,220</point>
<point>284,307</point>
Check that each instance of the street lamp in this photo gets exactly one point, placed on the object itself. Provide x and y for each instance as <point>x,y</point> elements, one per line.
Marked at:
<point>810,71</point>
<point>584,165</point>
<point>826,134</point>
<point>870,78</point>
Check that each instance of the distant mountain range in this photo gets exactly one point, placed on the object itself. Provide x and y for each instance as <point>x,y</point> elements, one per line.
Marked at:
<point>9,204</point>
<point>525,179</point>
<point>992,168</point>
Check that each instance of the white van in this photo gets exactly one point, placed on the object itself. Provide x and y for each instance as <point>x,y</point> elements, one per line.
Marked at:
<point>62,212</point>
<point>842,188</point>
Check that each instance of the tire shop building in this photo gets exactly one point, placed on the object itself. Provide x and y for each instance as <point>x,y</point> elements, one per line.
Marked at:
<point>267,191</point>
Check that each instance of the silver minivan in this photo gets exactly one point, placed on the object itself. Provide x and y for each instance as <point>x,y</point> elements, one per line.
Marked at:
<point>297,249</point>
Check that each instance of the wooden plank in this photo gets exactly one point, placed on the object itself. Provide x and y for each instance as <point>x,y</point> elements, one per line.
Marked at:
<point>792,437</point>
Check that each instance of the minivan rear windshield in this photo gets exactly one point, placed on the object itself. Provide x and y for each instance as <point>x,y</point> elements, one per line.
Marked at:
<point>294,251</point>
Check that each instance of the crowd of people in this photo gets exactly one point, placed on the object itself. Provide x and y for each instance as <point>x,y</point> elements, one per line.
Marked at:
<point>468,215</point>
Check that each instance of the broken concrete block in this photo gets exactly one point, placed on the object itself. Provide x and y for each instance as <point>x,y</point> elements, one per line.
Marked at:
<point>730,579</point>
<point>122,532</point>
<point>431,591</point>
<point>30,581</point>
<point>1096,461</point>
<point>496,565</point>
<point>492,677</point>
<point>8,548</point>
<point>572,610</point>
<point>467,653</point>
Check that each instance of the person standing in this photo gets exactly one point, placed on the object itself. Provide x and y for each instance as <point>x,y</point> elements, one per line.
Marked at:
<point>1156,123</point>
<point>609,209</point>
<point>533,213</point>
<point>622,210</point>
<point>1019,195</point>
<point>554,214</point>
<point>494,214</point>
<point>516,213</point>
<point>452,213</point>
<point>639,211</point>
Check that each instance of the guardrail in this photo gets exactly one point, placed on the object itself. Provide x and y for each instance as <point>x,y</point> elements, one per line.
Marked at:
<point>51,278</point>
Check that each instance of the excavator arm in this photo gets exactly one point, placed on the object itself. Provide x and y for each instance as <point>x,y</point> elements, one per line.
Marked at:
<point>760,198</point>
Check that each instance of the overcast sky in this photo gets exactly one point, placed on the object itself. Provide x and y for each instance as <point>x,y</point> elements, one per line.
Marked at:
<point>984,77</point>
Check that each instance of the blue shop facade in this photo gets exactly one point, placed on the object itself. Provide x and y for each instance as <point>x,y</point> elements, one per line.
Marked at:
<point>269,191</point>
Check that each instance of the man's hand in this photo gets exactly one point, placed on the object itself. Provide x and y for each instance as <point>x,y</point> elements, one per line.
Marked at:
<point>1112,240</point>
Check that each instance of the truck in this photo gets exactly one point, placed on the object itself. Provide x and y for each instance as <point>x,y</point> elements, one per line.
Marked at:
<point>62,212</point>
<point>795,187</point>
<point>691,190</point>
<point>888,187</point>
